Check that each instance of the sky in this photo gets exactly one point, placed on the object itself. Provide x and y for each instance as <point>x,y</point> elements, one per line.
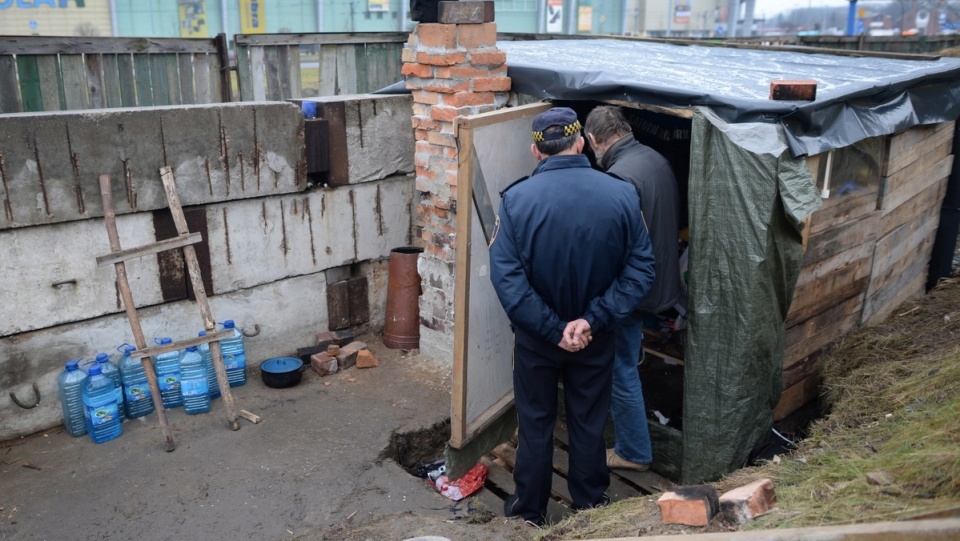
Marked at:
<point>770,8</point>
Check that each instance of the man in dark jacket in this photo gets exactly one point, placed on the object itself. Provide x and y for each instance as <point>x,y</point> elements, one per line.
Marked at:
<point>623,156</point>
<point>570,260</point>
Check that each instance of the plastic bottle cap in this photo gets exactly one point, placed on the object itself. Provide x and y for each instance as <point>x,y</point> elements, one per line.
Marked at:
<point>73,365</point>
<point>102,357</point>
<point>129,349</point>
<point>202,333</point>
<point>228,324</point>
<point>166,341</point>
<point>192,348</point>
<point>94,370</point>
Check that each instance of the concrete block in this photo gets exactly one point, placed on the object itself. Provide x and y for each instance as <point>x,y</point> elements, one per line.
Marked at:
<point>348,354</point>
<point>324,364</point>
<point>466,12</point>
<point>370,136</point>
<point>51,276</point>
<point>745,503</point>
<point>52,161</point>
<point>691,505</point>
<point>366,359</point>
<point>384,212</point>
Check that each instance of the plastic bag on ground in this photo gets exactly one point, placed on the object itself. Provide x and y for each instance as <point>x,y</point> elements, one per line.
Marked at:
<point>471,482</point>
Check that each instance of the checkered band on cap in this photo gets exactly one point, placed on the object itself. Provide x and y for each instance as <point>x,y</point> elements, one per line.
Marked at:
<point>568,130</point>
<point>561,117</point>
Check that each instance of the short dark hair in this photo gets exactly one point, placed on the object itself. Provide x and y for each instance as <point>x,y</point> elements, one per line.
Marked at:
<point>556,146</point>
<point>606,122</point>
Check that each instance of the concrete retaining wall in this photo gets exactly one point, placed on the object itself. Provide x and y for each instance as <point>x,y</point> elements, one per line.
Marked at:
<point>271,244</point>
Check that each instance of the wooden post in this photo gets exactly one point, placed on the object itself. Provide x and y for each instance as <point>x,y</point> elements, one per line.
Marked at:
<point>110,217</point>
<point>196,281</point>
<point>223,58</point>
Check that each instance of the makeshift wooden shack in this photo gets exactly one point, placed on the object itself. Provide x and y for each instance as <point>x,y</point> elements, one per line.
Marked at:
<point>806,220</point>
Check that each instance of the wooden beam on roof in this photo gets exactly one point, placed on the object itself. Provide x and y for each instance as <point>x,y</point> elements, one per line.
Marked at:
<point>672,111</point>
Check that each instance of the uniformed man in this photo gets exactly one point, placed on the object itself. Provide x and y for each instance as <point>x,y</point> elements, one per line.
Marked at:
<point>570,260</point>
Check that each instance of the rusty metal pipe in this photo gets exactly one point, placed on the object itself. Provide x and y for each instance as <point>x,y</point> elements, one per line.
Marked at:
<point>401,330</point>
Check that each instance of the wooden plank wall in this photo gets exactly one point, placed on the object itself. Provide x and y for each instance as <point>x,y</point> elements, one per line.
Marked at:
<point>272,67</point>
<point>867,252</point>
<point>40,73</point>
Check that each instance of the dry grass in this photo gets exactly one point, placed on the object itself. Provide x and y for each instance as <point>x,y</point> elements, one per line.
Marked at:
<point>894,394</point>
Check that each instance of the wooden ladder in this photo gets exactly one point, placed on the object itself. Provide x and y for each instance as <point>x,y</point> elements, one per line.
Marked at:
<point>184,241</point>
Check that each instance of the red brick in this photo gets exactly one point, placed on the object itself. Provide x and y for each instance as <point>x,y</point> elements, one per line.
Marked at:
<point>691,505</point>
<point>408,55</point>
<point>365,359</point>
<point>425,123</point>
<point>491,84</point>
<point>421,109</point>
<point>476,36</point>
<point>324,364</point>
<point>348,354</point>
<point>422,135</point>
<point>442,139</point>
<point>803,90</point>
<point>446,59</point>
<point>429,98</point>
<point>462,99</point>
<point>469,71</point>
<point>484,58</point>
<point>340,338</point>
<point>745,503</point>
<point>416,70</point>
<point>443,36</point>
<point>413,41</point>
<point>444,114</point>
<point>442,73</point>
<point>425,173</point>
<point>447,86</point>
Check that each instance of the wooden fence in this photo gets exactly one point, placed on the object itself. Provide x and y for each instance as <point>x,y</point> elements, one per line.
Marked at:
<point>62,73</point>
<point>882,44</point>
<point>285,66</point>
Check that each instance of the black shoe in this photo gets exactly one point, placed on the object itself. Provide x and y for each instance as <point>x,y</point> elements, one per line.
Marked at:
<point>509,510</point>
<point>508,506</point>
<point>604,501</point>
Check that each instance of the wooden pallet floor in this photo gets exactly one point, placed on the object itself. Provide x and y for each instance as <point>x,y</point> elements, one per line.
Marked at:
<point>500,462</point>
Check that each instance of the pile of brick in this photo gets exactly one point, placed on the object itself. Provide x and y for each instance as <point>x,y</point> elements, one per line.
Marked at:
<point>336,351</point>
<point>696,505</point>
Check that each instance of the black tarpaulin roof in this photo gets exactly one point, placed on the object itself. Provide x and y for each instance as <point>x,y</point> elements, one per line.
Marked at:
<point>857,97</point>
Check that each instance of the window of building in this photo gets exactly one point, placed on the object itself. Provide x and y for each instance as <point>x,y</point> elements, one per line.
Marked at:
<point>516,5</point>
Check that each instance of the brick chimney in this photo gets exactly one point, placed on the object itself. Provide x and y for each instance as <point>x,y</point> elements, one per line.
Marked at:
<point>453,70</point>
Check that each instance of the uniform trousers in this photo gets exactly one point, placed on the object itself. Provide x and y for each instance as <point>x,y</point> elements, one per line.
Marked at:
<point>587,377</point>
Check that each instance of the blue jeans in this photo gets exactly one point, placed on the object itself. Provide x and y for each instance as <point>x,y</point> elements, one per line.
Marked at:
<point>626,405</point>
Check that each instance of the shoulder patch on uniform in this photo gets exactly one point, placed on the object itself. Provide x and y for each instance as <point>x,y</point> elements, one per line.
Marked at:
<point>496,229</point>
<point>512,184</point>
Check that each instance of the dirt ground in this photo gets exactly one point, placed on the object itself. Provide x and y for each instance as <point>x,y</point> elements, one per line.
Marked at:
<point>309,470</point>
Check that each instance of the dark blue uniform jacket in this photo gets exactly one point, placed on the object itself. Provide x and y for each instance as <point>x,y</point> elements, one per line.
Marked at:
<point>571,244</point>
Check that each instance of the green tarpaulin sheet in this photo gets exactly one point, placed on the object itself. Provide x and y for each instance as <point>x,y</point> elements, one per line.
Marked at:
<point>748,198</point>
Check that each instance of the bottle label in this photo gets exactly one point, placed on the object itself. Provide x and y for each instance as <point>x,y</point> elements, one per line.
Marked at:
<point>193,388</point>
<point>169,382</point>
<point>136,393</point>
<point>99,415</point>
<point>233,362</point>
